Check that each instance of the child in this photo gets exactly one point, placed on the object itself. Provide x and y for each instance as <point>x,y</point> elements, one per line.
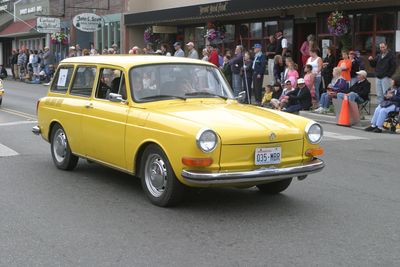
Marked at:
<point>309,78</point>
<point>267,96</point>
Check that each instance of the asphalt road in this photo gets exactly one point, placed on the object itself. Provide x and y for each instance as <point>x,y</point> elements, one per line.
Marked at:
<point>348,215</point>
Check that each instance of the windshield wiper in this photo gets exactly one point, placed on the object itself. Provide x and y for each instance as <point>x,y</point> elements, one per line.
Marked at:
<point>163,96</point>
<point>205,94</point>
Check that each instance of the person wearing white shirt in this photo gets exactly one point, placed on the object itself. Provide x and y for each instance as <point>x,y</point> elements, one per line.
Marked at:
<point>178,50</point>
<point>192,51</point>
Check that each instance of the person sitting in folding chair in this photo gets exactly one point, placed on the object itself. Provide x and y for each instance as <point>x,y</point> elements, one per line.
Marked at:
<point>359,92</point>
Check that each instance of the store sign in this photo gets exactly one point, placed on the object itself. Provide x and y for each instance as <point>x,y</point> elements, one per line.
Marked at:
<point>213,8</point>
<point>4,7</point>
<point>87,22</point>
<point>48,25</point>
<point>30,10</point>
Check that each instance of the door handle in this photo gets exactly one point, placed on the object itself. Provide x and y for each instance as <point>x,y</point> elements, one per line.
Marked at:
<point>89,105</point>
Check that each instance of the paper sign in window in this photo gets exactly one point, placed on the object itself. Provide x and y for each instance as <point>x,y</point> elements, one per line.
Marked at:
<point>62,77</point>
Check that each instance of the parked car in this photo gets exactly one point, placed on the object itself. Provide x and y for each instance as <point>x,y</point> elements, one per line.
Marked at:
<point>174,123</point>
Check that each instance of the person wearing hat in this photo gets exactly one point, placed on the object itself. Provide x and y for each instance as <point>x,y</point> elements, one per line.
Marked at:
<point>282,101</point>
<point>178,50</point>
<point>259,63</point>
<point>358,92</point>
<point>192,51</point>
<point>299,98</point>
<point>72,51</point>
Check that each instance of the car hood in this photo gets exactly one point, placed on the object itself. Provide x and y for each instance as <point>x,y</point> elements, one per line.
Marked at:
<point>236,123</point>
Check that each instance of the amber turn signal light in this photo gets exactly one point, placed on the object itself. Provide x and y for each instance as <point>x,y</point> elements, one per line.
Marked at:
<point>313,152</point>
<point>197,162</point>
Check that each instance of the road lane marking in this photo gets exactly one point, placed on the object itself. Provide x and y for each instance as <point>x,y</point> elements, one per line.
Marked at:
<point>16,123</point>
<point>343,136</point>
<point>19,113</point>
<point>6,151</point>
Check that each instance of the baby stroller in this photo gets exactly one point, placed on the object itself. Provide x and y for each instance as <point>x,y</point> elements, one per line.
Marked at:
<point>392,120</point>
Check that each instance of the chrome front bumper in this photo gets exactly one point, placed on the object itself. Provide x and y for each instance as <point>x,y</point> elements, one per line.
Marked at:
<point>254,176</point>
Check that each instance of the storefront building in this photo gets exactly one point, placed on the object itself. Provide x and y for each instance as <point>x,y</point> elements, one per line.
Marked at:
<point>109,31</point>
<point>18,20</point>
<point>252,21</point>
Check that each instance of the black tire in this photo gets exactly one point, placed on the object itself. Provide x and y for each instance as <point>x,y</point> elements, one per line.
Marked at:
<point>167,190</point>
<point>1,100</point>
<point>62,158</point>
<point>274,188</point>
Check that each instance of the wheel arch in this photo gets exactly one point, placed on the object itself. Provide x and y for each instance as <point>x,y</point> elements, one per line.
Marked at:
<point>51,126</point>
<point>139,154</point>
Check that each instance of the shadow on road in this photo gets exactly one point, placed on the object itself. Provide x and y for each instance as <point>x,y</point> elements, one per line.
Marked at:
<point>216,199</point>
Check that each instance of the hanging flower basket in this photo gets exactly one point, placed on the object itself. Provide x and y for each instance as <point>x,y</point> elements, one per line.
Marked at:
<point>147,35</point>
<point>338,23</point>
<point>59,37</point>
<point>215,32</point>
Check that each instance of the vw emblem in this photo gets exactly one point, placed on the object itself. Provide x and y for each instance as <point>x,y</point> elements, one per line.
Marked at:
<point>272,136</point>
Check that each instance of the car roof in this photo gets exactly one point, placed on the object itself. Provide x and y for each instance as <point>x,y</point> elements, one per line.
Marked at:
<point>128,61</point>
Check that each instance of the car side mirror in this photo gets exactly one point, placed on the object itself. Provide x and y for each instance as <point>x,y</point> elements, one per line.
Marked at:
<point>241,97</point>
<point>115,97</point>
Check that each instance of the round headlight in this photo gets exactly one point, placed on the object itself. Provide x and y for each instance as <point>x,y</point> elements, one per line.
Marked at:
<point>207,140</point>
<point>314,132</point>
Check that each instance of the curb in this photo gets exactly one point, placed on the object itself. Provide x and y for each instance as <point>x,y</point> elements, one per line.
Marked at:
<point>331,119</point>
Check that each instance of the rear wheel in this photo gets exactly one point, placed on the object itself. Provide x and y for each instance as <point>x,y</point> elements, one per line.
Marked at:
<point>274,187</point>
<point>60,150</point>
<point>158,179</point>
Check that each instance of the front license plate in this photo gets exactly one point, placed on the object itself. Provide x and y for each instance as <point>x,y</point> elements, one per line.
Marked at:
<point>271,155</point>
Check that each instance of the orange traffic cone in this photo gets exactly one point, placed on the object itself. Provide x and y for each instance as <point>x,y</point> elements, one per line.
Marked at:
<point>344,116</point>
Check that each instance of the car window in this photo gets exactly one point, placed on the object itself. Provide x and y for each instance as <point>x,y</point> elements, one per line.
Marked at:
<point>62,79</point>
<point>109,82</point>
<point>168,81</point>
<point>83,81</point>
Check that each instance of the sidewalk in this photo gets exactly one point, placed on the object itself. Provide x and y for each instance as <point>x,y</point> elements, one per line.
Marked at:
<point>331,119</point>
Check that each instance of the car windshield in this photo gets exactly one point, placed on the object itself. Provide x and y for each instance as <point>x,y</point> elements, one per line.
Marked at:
<point>177,81</point>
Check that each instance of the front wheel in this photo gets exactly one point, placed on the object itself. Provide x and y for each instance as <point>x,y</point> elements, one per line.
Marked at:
<point>274,187</point>
<point>60,150</point>
<point>158,179</point>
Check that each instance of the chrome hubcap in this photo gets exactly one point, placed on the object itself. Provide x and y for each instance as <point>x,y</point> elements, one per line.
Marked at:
<point>156,175</point>
<point>60,145</point>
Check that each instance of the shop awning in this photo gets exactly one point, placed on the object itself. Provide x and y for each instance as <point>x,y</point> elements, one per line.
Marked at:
<point>20,28</point>
<point>225,9</point>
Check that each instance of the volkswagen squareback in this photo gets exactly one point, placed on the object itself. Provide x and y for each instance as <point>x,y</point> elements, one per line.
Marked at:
<point>174,123</point>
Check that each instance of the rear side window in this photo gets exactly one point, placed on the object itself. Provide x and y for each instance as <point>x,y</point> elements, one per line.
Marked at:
<point>62,79</point>
<point>83,81</point>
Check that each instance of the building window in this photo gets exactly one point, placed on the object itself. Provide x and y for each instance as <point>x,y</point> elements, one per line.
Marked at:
<point>368,30</point>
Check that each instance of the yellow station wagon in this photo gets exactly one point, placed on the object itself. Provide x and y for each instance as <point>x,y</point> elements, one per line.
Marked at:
<point>174,123</point>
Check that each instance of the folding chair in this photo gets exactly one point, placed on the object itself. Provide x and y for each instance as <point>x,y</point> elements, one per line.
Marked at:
<point>365,106</point>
